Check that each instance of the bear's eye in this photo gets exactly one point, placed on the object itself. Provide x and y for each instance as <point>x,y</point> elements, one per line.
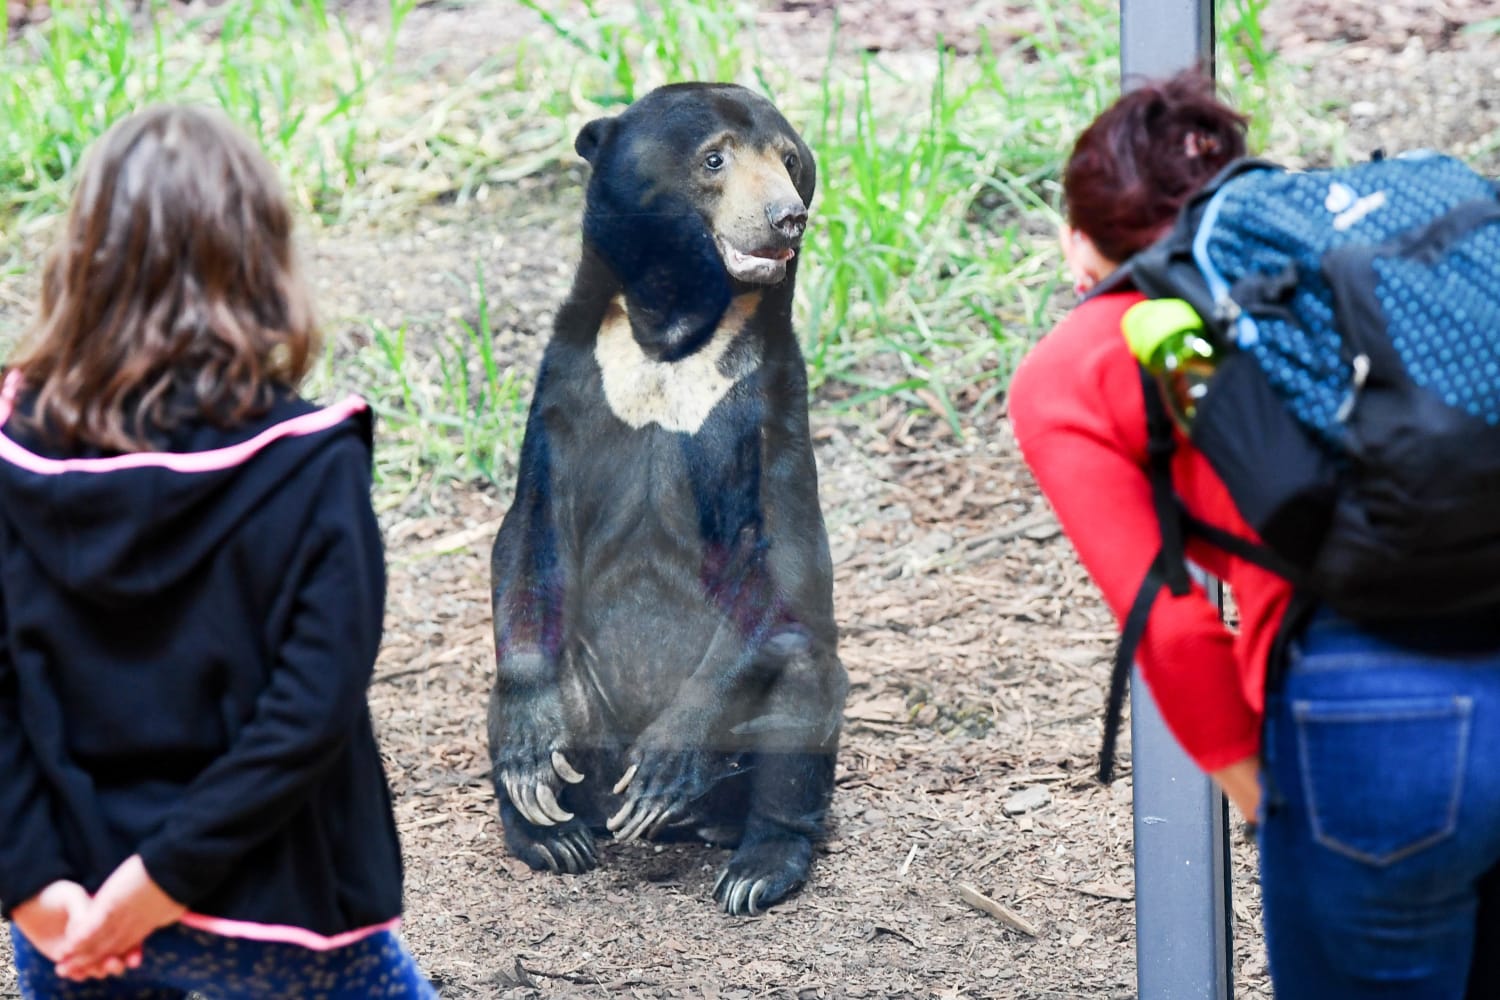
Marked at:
<point>714,160</point>
<point>791,162</point>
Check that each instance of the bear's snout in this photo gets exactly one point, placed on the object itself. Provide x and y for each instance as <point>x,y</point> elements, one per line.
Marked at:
<point>789,218</point>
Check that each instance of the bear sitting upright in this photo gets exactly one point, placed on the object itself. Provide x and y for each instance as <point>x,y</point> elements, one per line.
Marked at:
<point>663,592</point>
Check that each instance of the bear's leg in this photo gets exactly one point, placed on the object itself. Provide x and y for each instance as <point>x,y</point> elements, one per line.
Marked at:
<point>788,807</point>
<point>791,773</point>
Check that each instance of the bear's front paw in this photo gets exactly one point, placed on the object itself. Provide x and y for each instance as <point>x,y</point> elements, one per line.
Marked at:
<point>529,749</point>
<point>531,779</point>
<point>659,786</point>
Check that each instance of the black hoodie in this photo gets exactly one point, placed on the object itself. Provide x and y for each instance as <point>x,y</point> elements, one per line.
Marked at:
<point>186,637</point>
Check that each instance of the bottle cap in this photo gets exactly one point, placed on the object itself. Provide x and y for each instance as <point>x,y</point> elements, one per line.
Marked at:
<point>1147,324</point>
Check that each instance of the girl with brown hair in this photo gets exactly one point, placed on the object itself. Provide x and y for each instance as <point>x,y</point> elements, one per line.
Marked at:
<point>191,596</point>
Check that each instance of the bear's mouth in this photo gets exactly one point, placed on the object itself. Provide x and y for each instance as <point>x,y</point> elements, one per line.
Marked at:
<point>761,266</point>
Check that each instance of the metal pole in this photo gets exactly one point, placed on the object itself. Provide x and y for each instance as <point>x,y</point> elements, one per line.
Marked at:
<point>1184,941</point>
<point>1160,37</point>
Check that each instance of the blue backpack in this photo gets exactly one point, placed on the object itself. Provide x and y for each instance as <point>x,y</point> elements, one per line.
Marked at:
<point>1354,414</point>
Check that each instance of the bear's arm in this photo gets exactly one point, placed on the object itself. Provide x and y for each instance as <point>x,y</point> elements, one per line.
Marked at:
<point>527,576</point>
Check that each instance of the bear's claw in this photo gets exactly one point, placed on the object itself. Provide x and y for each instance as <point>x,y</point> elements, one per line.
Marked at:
<point>569,851</point>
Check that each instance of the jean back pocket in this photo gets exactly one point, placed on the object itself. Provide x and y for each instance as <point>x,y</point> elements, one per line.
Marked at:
<point>1383,777</point>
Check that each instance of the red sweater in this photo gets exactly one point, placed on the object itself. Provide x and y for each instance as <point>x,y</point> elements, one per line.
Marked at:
<point>1079,417</point>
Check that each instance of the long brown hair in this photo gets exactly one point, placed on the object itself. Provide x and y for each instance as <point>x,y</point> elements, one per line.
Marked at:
<point>172,292</point>
<point>1144,156</point>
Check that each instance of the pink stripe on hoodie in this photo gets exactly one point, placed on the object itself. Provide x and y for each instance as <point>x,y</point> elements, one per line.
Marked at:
<point>280,933</point>
<point>197,461</point>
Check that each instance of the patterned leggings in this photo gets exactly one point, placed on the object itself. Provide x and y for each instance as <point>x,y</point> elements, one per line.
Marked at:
<point>178,961</point>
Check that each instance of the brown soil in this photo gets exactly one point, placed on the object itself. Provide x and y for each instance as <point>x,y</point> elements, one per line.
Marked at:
<point>977,648</point>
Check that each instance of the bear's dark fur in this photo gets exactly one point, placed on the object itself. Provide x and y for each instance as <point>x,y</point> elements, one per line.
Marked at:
<point>663,601</point>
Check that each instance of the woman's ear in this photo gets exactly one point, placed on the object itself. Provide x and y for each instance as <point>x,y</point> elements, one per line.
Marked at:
<point>1085,263</point>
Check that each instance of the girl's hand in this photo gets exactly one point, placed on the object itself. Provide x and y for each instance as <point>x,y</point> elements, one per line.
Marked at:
<point>1241,783</point>
<point>44,918</point>
<point>106,938</point>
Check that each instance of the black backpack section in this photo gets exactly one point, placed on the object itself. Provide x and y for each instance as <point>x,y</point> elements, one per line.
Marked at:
<point>1354,412</point>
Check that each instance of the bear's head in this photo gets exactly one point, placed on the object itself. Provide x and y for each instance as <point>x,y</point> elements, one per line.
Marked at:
<point>698,191</point>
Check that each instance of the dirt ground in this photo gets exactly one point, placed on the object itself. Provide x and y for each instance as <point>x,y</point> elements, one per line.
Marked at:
<point>977,649</point>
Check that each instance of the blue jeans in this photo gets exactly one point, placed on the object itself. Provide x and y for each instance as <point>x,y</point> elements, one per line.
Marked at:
<point>178,960</point>
<point>1380,836</point>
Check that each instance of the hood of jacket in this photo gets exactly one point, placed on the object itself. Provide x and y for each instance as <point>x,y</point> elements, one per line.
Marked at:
<point>119,528</point>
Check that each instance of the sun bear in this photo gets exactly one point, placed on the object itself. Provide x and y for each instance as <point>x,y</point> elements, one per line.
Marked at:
<point>663,593</point>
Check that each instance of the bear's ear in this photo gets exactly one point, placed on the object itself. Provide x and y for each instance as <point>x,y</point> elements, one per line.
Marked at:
<point>592,136</point>
<point>809,181</point>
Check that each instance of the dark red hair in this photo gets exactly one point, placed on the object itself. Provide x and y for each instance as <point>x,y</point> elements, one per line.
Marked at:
<point>1144,156</point>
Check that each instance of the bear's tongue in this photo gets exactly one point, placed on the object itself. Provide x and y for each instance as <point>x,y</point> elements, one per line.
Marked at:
<point>769,254</point>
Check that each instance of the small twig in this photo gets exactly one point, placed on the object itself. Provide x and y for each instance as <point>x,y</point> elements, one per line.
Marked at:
<point>1006,916</point>
<point>878,929</point>
<point>520,977</point>
<point>1041,519</point>
<point>906,865</point>
<point>981,865</point>
<point>586,980</point>
<point>454,541</point>
<point>396,675</point>
<point>1101,891</point>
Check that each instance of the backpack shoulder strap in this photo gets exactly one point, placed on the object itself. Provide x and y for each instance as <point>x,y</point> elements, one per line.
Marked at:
<point>1119,678</point>
<point>1168,569</point>
<point>1161,445</point>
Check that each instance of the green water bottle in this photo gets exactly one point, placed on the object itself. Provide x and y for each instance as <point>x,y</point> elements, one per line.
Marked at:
<point>1167,337</point>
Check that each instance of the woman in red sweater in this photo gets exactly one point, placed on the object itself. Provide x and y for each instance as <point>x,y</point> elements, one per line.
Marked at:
<point>1076,405</point>
<point>1380,843</point>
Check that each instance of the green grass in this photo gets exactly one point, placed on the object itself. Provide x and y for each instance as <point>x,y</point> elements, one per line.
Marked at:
<point>929,268</point>
<point>930,253</point>
<point>631,49</point>
<point>447,406</point>
<point>284,69</point>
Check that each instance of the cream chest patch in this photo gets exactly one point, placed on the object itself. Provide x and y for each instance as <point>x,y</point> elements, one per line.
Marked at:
<point>678,395</point>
